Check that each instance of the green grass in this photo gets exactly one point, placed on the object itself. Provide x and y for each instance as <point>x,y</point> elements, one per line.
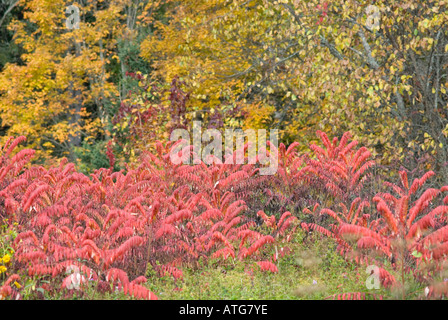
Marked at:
<point>312,271</point>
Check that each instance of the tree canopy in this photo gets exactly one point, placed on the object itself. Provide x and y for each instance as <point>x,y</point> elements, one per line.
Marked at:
<point>376,69</point>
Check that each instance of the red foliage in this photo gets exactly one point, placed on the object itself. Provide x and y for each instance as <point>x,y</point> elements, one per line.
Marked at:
<point>355,296</point>
<point>267,266</point>
<point>110,226</point>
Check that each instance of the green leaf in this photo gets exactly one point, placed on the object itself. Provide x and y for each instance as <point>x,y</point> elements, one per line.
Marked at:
<point>416,254</point>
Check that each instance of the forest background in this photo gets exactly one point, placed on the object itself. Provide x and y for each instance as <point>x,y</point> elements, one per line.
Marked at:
<point>133,70</point>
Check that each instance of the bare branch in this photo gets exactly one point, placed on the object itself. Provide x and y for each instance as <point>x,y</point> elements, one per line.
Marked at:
<point>370,59</point>
<point>11,6</point>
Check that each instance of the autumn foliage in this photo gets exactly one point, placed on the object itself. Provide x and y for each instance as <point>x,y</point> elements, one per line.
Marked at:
<point>110,227</point>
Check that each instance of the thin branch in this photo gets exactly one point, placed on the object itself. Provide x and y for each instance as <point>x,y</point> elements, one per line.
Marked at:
<point>12,6</point>
<point>370,59</point>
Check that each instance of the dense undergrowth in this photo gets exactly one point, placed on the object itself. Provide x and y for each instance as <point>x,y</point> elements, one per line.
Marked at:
<point>159,230</point>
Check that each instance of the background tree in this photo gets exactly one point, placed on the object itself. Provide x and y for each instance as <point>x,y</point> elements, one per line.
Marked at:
<point>307,65</point>
<point>378,70</point>
<point>69,82</point>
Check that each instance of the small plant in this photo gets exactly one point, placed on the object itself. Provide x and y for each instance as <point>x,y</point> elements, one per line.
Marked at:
<point>404,228</point>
